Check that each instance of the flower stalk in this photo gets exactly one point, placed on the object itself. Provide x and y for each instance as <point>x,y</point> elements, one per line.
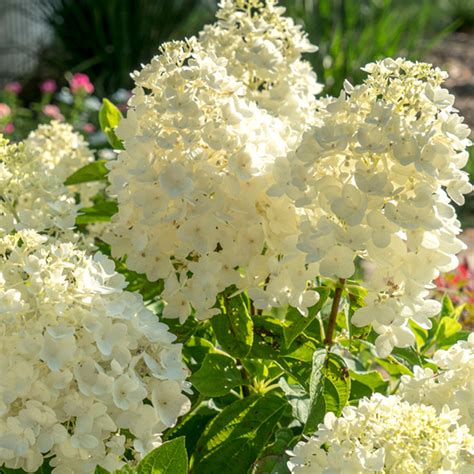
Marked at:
<point>328,340</point>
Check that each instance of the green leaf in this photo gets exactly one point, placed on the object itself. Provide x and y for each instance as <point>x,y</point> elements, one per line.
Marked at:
<point>235,438</point>
<point>408,356</point>
<point>268,341</point>
<point>447,307</point>
<point>191,426</point>
<point>295,323</point>
<point>234,326</point>
<point>196,349</point>
<point>447,328</point>
<point>421,334</point>
<point>217,376</point>
<point>169,458</point>
<point>450,341</point>
<point>298,370</point>
<point>329,389</point>
<point>101,470</point>
<point>95,171</point>
<point>274,458</point>
<point>298,398</point>
<point>364,384</point>
<point>126,470</point>
<point>109,117</point>
<point>100,212</point>
<point>393,366</point>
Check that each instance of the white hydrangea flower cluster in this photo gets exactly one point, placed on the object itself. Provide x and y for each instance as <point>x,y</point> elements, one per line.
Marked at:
<point>386,435</point>
<point>62,151</point>
<point>263,49</point>
<point>81,359</point>
<point>374,180</point>
<point>451,385</point>
<point>31,197</point>
<point>191,188</point>
<point>32,175</point>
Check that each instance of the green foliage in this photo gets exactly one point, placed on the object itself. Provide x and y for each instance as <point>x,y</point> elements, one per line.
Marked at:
<point>364,384</point>
<point>96,171</point>
<point>217,376</point>
<point>192,425</point>
<point>100,212</point>
<point>352,33</point>
<point>234,326</point>
<point>169,458</point>
<point>329,389</point>
<point>235,438</point>
<point>273,459</point>
<point>109,118</point>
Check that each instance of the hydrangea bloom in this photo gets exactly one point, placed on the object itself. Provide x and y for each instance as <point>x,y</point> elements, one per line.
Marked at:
<point>32,176</point>
<point>31,197</point>
<point>263,50</point>
<point>80,359</point>
<point>61,152</point>
<point>386,434</point>
<point>452,384</point>
<point>191,187</point>
<point>374,180</point>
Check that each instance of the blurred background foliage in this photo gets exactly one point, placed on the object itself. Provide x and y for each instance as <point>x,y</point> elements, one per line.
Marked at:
<point>352,33</point>
<point>107,39</point>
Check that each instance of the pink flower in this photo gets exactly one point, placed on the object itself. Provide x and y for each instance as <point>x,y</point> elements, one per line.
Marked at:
<point>9,128</point>
<point>5,111</point>
<point>53,112</point>
<point>49,86</point>
<point>88,128</point>
<point>14,87</point>
<point>81,82</point>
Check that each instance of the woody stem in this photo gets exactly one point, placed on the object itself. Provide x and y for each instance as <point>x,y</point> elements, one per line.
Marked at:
<point>334,310</point>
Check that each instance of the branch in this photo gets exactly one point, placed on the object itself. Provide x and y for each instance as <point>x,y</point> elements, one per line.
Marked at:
<point>334,310</point>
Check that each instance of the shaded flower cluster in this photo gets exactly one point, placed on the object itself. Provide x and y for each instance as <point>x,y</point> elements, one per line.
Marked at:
<point>81,359</point>
<point>386,434</point>
<point>32,175</point>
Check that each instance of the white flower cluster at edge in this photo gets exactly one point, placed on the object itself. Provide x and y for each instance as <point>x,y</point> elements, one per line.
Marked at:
<point>32,175</point>
<point>81,359</point>
<point>452,384</point>
<point>386,435</point>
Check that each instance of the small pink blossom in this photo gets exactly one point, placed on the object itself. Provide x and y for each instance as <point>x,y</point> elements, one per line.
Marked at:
<point>81,82</point>
<point>53,112</point>
<point>88,128</point>
<point>14,87</point>
<point>49,86</point>
<point>5,111</point>
<point>9,128</point>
